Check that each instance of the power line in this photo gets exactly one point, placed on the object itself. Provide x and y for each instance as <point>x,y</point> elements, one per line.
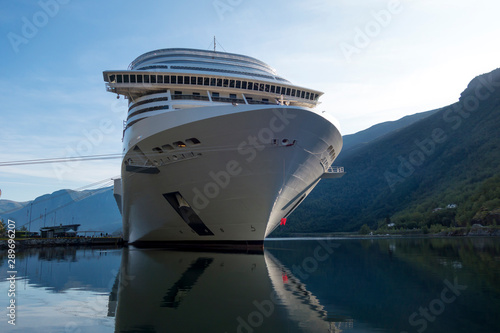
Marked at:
<point>61,159</point>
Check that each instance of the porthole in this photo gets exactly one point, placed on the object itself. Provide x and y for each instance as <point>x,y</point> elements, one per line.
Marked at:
<point>193,141</point>
<point>179,144</point>
<point>158,150</point>
<point>284,142</point>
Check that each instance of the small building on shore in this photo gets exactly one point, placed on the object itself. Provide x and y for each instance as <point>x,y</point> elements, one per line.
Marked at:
<point>68,230</point>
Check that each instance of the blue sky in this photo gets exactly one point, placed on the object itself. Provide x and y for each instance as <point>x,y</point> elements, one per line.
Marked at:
<point>375,61</point>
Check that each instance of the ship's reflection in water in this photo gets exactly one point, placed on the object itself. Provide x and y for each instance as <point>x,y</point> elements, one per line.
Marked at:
<point>161,290</point>
<point>318,285</point>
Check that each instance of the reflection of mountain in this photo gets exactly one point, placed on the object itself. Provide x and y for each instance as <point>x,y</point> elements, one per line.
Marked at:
<point>381,283</point>
<point>212,292</point>
<point>60,268</point>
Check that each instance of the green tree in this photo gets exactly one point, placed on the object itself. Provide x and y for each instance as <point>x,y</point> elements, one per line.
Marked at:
<point>364,230</point>
<point>3,228</point>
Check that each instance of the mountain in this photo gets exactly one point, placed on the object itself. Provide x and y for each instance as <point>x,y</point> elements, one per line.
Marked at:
<point>449,160</point>
<point>8,205</point>
<point>94,210</point>
<point>359,139</point>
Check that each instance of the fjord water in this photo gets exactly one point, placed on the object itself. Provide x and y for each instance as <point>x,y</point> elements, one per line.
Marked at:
<point>295,285</point>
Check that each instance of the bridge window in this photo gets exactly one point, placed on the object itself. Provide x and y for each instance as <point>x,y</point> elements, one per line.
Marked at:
<point>112,78</point>
<point>173,79</point>
<point>226,83</point>
<point>180,79</point>
<point>219,82</point>
<point>231,83</point>
<point>166,78</point>
<point>119,79</point>
<point>244,85</point>
<point>139,78</point>
<point>288,91</point>
<point>200,81</point>
<point>293,92</point>
<point>153,79</point>
<point>250,85</point>
<point>273,89</point>
<point>132,78</point>
<point>256,86</point>
<point>238,84</point>
<point>146,78</point>
<point>193,79</point>
<point>186,79</point>
<point>213,82</point>
<point>160,78</point>
<point>206,81</point>
<point>302,95</point>
<point>267,88</point>
<point>278,90</point>
<point>307,95</point>
<point>125,78</point>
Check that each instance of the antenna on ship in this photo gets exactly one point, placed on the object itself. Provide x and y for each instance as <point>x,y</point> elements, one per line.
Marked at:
<point>215,45</point>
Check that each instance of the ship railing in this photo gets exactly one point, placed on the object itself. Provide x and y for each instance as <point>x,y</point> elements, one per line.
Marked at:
<point>218,99</point>
<point>259,102</point>
<point>335,169</point>
<point>190,97</point>
<point>228,100</point>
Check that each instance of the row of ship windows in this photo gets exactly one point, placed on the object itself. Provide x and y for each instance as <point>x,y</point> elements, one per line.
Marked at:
<point>153,108</point>
<point>195,96</point>
<point>209,70</point>
<point>177,144</point>
<point>212,82</point>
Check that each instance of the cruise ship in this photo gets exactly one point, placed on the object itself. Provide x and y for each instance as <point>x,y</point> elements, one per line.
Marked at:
<point>218,149</point>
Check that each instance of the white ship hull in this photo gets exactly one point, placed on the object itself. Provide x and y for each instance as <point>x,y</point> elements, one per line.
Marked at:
<point>218,148</point>
<point>252,166</point>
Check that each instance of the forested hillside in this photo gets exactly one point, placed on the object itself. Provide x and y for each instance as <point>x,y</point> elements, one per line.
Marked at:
<point>441,170</point>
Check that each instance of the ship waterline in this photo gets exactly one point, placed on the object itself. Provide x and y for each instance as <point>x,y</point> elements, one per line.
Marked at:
<point>205,171</point>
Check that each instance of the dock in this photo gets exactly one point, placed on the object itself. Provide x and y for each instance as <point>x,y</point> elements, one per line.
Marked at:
<point>64,241</point>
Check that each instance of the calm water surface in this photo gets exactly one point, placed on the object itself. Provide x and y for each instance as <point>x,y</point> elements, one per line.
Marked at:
<point>314,285</point>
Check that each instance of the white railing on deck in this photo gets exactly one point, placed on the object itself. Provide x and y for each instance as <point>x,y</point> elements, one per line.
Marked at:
<point>335,169</point>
